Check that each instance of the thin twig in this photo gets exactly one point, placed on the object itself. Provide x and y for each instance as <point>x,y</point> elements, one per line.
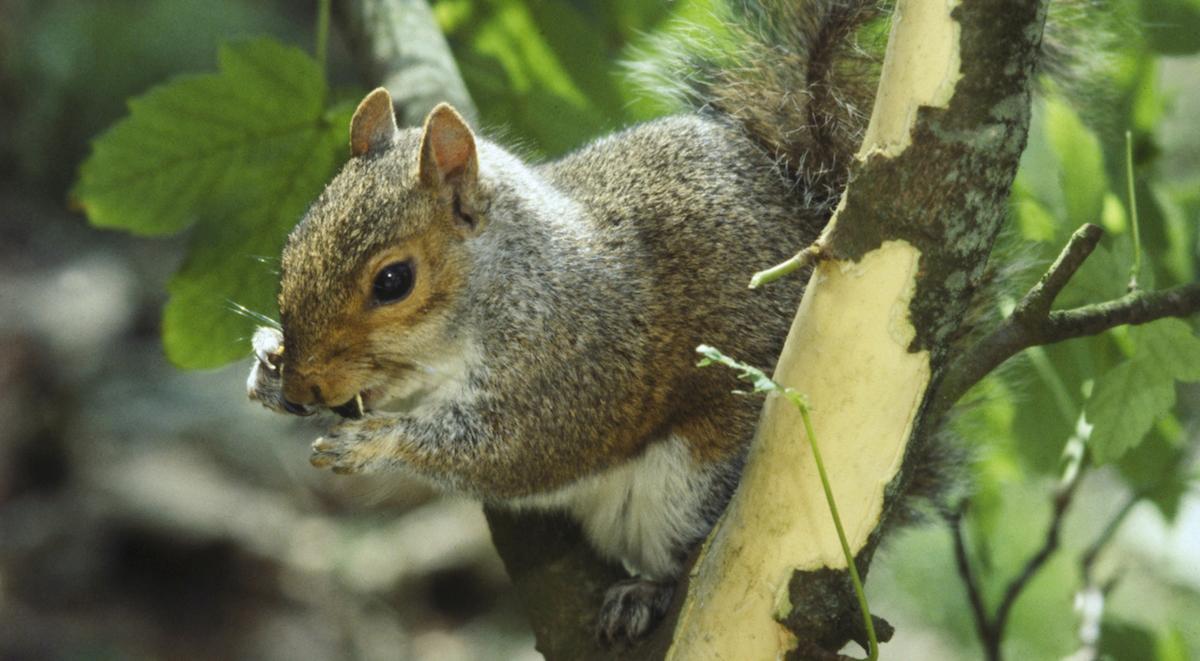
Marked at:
<point>1062,502</point>
<point>974,594</point>
<point>1135,269</point>
<point>1090,598</point>
<point>322,47</point>
<point>1138,307</point>
<point>814,253</point>
<point>1036,304</point>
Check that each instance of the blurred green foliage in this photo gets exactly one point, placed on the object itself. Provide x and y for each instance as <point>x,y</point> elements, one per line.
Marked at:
<point>1123,383</point>
<point>240,153</point>
<point>74,64</point>
<point>545,76</point>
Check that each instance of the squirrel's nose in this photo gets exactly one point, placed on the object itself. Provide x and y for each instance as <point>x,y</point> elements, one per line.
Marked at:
<point>300,390</point>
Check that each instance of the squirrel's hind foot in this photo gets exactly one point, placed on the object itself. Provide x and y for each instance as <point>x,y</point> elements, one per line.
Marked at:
<point>631,608</point>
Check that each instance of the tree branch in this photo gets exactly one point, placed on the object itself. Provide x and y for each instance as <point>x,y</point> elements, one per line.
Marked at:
<point>1088,559</point>
<point>991,628</point>
<point>1132,309</point>
<point>1032,323</point>
<point>1037,302</point>
<point>1062,502</point>
<point>398,44</point>
<point>1091,597</point>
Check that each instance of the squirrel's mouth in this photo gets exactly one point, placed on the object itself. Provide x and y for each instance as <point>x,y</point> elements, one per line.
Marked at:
<point>353,409</point>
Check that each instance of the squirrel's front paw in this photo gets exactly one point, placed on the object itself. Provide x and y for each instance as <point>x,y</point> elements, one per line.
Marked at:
<point>265,383</point>
<point>355,446</point>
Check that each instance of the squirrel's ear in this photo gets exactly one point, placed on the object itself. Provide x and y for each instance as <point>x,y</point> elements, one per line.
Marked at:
<point>447,148</point>
<point>374,123</point>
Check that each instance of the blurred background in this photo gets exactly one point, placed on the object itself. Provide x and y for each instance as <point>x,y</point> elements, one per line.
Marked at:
<point>148,512</point>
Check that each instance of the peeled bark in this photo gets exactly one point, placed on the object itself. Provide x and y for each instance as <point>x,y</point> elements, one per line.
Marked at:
<point>905,251</point>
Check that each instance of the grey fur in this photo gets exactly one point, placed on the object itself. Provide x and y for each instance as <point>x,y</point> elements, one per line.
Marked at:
<point>563,303</point>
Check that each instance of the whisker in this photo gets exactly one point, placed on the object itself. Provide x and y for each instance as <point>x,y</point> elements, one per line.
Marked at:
<point>238,308</point>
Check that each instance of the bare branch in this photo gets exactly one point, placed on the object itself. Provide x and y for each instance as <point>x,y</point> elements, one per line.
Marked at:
<point>1037,302</point>
<point>1132,309</point>
<point>1062,502</point>
<point>1033,324</point>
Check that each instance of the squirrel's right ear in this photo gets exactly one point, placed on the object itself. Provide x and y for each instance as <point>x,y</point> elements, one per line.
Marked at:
<point>374,123</point>
<point>447,149</point>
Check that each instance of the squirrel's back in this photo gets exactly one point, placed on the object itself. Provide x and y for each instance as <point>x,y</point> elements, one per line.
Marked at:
<point>695,207</point>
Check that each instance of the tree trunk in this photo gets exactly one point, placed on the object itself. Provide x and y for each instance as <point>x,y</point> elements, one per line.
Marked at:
<point>903,256</point>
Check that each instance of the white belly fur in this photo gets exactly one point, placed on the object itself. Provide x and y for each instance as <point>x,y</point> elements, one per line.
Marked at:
<point>641,512</point>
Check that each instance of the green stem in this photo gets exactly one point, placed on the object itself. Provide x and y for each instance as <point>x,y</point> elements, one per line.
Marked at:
<point>794,263</point>
<point>323,9</point>
<point>873,642</point>
<point>1136,268</point>
<point>765,384</point>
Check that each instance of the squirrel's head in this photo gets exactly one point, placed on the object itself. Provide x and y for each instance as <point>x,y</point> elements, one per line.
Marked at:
<point>371,272</point>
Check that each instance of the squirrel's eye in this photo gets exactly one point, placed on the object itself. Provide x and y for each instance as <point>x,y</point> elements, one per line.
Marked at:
<point>393,282</point>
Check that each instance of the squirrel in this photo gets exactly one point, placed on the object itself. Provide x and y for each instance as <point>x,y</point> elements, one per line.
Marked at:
<point>525,333</point>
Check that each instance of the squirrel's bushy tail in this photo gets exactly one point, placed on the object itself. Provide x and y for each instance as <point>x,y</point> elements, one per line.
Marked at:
<point>792,73</point>
<point>799,76</point>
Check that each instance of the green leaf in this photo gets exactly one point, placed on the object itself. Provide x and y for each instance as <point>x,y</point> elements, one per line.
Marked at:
<point>1103,276</point>
<point>1124,641</point>
<point>1128,399</point>
<point>1172,27</point>
<point>239,153</point>
<point>746,372</point>
<point>1083,179</point>
<point>519,80</point>
<point>1170,645</point>
<point>1156,470</point>
<point>198,136</point>
<point>233,260</point>
<point>1180,235</point>
<point>1169,346</point>
<point>1034,220</point>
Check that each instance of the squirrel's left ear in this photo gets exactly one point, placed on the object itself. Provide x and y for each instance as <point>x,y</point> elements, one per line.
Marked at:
<point>373,124</point>
<point>447,149</point>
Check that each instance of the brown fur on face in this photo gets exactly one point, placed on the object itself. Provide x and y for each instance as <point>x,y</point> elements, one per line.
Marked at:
<point>376,211</point>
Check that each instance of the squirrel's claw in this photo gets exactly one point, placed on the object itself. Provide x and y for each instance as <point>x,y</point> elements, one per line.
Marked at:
<point>355,446</point>
<point>332,453</point>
